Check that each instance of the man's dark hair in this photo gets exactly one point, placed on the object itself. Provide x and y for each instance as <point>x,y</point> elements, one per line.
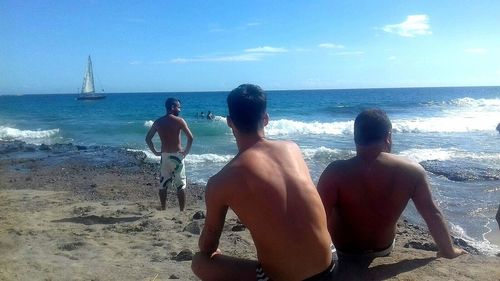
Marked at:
<point>171,101</point>
<point>371,126</point>
<point>247,106</point>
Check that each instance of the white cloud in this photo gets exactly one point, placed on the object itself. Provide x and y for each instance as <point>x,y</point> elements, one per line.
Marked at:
<point>252,54</point>
<point>235,58</point>
<point>414,25</point>
<point>392,58</point>
<point>266,49</point>
<point>245,26</point>
<point>352,53</point>
<point>330,46</point>
<point>478,51</point>
<point>253,24</point>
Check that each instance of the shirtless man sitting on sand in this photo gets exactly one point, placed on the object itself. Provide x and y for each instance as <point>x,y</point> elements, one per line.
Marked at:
<point>268,186</point>
<point>172,173</point>
<point>365,195</point>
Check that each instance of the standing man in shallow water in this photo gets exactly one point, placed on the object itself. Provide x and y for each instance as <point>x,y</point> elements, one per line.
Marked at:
<point>268,186</point>
<point>365,195</point>
<point>172,171</point>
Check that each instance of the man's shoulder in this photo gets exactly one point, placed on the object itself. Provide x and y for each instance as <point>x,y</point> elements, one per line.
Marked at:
<point>169,119</point>
<point>336,170</point>
<point>230,175</point>
<point>402,162</point>
<point>284,144</point>
<point>405,167</point>
<point>341,164</point>
<point>231,170</point>
<point>160,120</point>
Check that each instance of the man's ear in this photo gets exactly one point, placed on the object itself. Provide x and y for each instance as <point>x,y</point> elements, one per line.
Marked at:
<point>388,142</point>
<point>229,122</point>
<point>265,120</point>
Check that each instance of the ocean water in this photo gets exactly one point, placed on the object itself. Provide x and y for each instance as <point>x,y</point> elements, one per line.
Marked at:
<point>450,131</point>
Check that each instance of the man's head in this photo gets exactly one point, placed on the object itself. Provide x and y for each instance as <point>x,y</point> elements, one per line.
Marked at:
<point>173,106</point>
<point>372,126</point>
<point>247,108</point>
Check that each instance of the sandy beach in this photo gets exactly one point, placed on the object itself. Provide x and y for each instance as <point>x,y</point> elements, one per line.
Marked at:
<point>91,213</point>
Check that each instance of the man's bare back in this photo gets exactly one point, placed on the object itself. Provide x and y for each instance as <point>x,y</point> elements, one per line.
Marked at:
<point>364,196</point>
<point>368,196</point>
<point>268,186</point>
<point>169,130</point>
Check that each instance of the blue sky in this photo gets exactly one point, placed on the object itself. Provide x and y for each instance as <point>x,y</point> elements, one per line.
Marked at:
<point>156,46</point>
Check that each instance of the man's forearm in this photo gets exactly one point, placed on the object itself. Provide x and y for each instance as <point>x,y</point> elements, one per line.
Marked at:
<point>208,242</point>
<point>152,147</point>
<point>440,233</point>
<point>188,146</point>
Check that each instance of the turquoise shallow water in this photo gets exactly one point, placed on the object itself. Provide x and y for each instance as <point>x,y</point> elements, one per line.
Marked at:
<point>449,130</point>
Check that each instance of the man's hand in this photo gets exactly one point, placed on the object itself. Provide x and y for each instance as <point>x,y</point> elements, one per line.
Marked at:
<point>183,153</point>
<point>455,253</point>
<point>217,252</point>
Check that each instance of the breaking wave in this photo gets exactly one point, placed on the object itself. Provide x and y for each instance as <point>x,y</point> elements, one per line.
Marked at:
<point>29,136</point>
<point>290,127</point>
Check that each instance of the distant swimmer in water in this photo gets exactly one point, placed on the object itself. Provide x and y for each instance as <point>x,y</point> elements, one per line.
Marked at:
<point>172,169</point>
<point>210,116</point>
<point>498,128</point>
<point>365,195</point>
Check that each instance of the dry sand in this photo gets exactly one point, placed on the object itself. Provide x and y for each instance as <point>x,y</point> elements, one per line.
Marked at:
<point>74,213</point>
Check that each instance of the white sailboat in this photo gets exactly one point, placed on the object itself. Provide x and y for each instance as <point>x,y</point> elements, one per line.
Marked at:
<point>88,89</point>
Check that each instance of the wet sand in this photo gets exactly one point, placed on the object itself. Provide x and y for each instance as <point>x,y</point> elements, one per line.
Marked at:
<point>91,213</point>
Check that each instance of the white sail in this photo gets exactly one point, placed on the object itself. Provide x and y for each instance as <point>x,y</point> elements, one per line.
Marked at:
<point>88,80</point>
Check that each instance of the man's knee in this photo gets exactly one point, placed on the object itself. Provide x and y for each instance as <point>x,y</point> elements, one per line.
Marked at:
<point>200,264</point>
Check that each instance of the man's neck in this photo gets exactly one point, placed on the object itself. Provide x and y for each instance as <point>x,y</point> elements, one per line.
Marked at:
<point>245,141</point>
<point>369,152</point>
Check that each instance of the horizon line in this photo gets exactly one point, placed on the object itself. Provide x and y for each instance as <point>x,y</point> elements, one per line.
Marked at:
<point>271,90</point>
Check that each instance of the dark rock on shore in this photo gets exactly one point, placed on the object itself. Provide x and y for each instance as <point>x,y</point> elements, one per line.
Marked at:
<point>91,173</point>
<point>462,170</point>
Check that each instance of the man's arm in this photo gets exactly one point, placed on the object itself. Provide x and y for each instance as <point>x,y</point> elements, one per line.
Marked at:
<point>149,140</point>
<point>189,135</point>
<point>327,192</point>
<point>433,217</point>
<point>214,220</point>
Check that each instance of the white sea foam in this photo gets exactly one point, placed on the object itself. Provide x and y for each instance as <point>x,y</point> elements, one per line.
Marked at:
<point>29,136</point>
<point>440,154</point>
<point>191,158</point>
<point>320,152</point>
<point>291,127</point>
<point>220,118</point>
<point>460,123</point>
<point>485,246</point>
<point>148,123</point>
<point>208,158</point>
<point>470,102</point>
<point>459,116</point>
<point>425,154</point>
